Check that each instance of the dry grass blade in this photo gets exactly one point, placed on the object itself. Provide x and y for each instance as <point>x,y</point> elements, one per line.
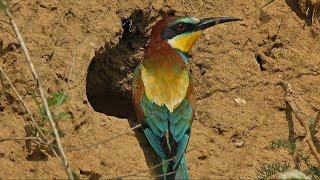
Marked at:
<point>316,121</point>
<point>135,174</point>
<point>157,176</point>
<point>18,139</point>
<point>39,86</point>
<point>260,8</point>
<point>104,141</point>
<point>43,140</point>
<point>289,98</point>
<point>268,3</point>
<point>34,123</point>
<point>72,65</point>
<point>302,121</point>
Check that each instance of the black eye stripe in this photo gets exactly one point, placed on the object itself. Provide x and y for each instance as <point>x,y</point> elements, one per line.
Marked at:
<point>188,26</point>
<point>171,31</point>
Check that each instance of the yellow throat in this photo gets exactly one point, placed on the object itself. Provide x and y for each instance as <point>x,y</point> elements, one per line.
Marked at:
<point>185,42</point>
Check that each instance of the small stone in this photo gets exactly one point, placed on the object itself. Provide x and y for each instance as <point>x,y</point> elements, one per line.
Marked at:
<point>240,101</point>
<point>202,157</point>
<point>293,174</point>
<point>103,163</point>
<point>239,144</point>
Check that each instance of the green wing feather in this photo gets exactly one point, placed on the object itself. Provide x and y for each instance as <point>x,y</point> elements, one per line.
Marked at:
<point>158,122</point>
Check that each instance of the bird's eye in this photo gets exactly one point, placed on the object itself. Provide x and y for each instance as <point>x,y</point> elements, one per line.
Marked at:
<point>180,27</point>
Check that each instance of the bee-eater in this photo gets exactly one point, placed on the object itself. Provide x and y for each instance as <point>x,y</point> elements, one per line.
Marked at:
<point>163,94</point>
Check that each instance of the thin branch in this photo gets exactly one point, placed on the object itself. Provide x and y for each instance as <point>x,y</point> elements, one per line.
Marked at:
<point>268,3</point>
<point>316,121</point>
<point>24,104</point>
<point>43,141</point>
<point>36,139</point>
<point>302,121</point>
<point>157,176</point>
<point>42,93</point>
<point>18,139</point>
<point>146,170</point>
<point>295,109</point>
<point>104,141</point>
<point>259,9</point>
<point>72,65</point>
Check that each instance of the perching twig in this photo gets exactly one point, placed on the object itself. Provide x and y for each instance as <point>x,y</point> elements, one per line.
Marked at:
<point>294,108</point>
<point>135,174</point>
<point>39,86</point>
<point>71,66</point>
<point>259,9</point>
<point>265,5</point>
<point>301,119</point>
<point>316,121</point>
<point>19,139</point>
<point>157,176</point>
<point>104,141</point>
<point>43,140</point>
<point>24,104</point>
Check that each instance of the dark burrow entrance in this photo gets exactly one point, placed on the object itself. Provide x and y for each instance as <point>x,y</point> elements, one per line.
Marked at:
<point>110,72</point>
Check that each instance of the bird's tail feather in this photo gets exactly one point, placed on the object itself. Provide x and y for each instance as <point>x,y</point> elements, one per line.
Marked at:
<point>182,172</point>
<point>165,165</point>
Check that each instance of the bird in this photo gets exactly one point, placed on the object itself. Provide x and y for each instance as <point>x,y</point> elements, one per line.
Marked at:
<point>163,89</point>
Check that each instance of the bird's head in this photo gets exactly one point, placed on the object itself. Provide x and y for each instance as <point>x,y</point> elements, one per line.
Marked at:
<point>180,33</point>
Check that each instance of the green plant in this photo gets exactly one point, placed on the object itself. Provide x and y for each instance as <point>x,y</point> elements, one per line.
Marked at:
<point>2,5</point>
<point>283,143</point>
<point>268,170</point>
<point>54,103</point>
<point>312,170</point>
<point>75,176</point>
<point>271,169</point>
<point>312,126</point>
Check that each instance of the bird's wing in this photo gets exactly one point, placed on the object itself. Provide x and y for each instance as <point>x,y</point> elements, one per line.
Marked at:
<point>180,125</point>
<point>180,128</point>
<point>150,115</point>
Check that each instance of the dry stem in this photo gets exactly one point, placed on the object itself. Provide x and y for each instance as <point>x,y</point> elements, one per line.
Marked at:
<point>268,3</point>
<point>289,98</point>
<point>72,65</point>
<point>43,141</point>
<point>135,174</point>
<point>104,141</point>
<point>42,93</point>
<point>316,121</point>
<point>18,139</point>
<point>24,104</point>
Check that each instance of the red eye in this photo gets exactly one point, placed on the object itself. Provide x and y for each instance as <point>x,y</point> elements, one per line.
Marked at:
<point>180,27</point>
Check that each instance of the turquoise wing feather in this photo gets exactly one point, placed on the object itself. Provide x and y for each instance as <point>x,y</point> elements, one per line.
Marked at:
<point>160,122</point>
<point>182,172</point>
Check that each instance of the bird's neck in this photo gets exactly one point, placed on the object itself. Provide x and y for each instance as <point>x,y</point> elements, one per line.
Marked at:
<point>160,55</point>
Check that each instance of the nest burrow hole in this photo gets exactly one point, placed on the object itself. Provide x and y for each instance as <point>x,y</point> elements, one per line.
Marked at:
<point>110,72</point>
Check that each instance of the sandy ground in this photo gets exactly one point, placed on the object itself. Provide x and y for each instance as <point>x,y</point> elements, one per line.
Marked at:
<point>89,50</point>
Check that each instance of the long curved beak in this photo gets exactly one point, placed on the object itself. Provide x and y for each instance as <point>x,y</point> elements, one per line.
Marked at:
<point>209,22</point>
